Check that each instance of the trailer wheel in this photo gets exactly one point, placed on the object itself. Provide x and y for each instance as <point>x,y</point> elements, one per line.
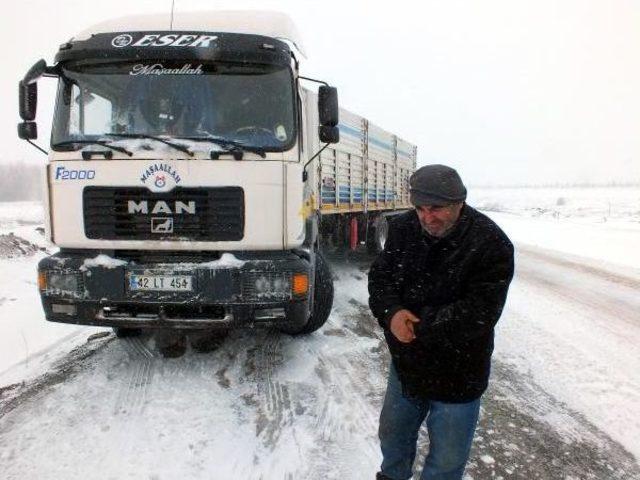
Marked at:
<point>122,332</point>
<point>378,235</point>
<point>322,301</point>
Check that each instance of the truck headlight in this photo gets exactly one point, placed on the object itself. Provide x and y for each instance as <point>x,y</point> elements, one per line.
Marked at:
<point>267,286</point>
<point>61,281</point>
<point>281,285</point>
<point>263,285</point>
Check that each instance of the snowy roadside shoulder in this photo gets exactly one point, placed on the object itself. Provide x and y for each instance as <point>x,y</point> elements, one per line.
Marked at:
<point>29,345</point>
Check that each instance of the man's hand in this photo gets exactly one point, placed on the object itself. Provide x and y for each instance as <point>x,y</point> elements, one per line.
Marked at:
<point>401,325</point>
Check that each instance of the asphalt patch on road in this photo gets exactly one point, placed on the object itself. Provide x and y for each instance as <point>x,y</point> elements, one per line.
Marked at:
<point>522,445</point>
<point>362,323</point>
<point>12,396</point>
<point>513,441</point>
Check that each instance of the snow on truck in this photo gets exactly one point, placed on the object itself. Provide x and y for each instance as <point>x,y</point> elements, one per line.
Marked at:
<point>191,176</point>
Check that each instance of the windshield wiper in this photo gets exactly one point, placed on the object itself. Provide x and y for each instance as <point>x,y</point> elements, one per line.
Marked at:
<point>230,146</point>
<point>103,143</point>
<point>145,136</point>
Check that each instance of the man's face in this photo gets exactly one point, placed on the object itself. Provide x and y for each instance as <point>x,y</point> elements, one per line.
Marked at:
<point>438,220</point>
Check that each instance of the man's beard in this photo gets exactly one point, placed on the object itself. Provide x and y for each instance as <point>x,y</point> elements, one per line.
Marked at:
<point>440,230</point>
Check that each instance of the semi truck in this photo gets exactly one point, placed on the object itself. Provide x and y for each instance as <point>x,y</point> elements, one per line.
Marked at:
<point>194,174</point>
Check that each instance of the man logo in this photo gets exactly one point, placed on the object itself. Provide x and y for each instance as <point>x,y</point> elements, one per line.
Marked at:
<point>123,40</point>
<point>161,225</point>
<point>161,207</point>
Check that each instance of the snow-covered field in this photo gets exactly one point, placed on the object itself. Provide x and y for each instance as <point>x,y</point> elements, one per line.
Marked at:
<point>570,332</point>
<point>599,226</point>
<point>577,204</point>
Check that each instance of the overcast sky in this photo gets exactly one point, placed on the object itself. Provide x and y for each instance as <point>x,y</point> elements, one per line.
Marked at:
<point>508,92</point>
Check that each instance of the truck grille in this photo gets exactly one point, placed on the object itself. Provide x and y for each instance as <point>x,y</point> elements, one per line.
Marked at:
<point>205,214</point>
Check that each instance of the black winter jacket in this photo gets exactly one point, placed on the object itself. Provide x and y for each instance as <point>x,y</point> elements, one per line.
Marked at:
<point>457,285</point>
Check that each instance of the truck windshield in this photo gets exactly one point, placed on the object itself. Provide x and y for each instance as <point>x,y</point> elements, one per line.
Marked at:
<point>252,106</point>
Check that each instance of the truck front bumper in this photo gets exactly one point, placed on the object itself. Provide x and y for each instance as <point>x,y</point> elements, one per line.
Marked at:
<point>249,289</point>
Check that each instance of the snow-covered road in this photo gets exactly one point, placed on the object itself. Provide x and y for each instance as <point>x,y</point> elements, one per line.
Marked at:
<point>268,406</point>
<point>264,405</point>
<point>576,330</point>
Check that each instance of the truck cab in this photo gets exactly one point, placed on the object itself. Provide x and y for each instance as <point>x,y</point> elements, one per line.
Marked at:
<point>176,184</point>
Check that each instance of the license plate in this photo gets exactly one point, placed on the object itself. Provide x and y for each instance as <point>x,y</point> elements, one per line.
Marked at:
<point>162,283</point>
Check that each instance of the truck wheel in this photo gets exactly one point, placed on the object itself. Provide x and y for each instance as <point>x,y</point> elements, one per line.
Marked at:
<point>322,299</point>
<point>122,332</point>
<point>378,237</point>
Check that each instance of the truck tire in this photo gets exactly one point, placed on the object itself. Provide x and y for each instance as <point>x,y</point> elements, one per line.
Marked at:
<point>322,299</point>
<point>122,332</point>
<point>378,235</point>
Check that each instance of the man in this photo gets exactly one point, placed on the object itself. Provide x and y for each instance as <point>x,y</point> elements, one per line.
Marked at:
<point>437,290</point>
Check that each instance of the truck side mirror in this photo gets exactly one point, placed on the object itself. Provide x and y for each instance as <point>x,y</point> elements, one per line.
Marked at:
<point>28,130</point>
<point>328,109</point>
<point>329,134</point>
<point>329,116</point>
<point>28,91</point>
<point>28,100</point>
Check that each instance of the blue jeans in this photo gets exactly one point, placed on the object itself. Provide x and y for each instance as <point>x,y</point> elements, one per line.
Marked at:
<point>450,426</point>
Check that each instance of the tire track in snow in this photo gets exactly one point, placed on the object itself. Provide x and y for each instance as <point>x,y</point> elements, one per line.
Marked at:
<point>551,257</point>
<point>278,414</point>
<point>275,417</point>
<point>362,417</point>
<point>133,396</point>
<point>347,408</point>
<point>134,368</point>
<point>345,420</point>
